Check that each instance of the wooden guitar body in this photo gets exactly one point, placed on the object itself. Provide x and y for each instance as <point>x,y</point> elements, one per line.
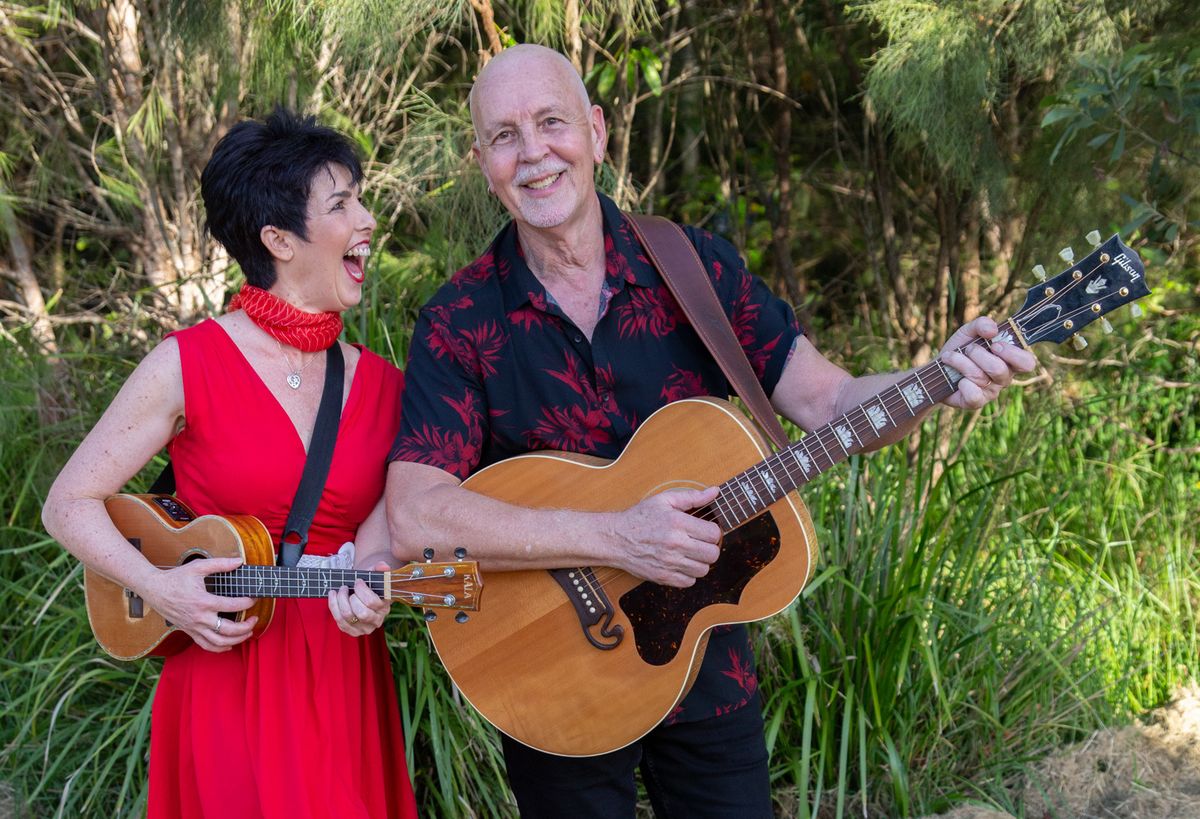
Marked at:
<point>167,532</point>
<point>542,664</point>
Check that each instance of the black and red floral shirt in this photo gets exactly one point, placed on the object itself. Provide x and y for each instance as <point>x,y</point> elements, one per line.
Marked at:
<point>497,369</point>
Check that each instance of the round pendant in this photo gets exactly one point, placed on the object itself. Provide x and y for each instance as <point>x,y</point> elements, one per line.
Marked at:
<point>294,381</point>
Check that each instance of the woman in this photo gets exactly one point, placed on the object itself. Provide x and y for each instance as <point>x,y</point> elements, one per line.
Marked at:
<point>302,721</point>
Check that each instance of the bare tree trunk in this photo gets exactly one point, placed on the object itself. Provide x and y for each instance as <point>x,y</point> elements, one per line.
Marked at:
<point>690,104</point>
<point>781,213</point>
<point>487,21</point>
<point>624,108</point>
<point>20,272</point>
<point>574,34</point>
<point>54,399</point>
<point>152,241</point>
<point>971,269</point>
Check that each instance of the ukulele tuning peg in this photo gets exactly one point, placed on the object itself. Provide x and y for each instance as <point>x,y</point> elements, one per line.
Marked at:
<point>1104,325</point>
<point>1040,272</point>
<point>1067,255</point>
<point>430,615</point>
<point>428,555</point>
<point>1093,238</point>
<point>1135,310</point>
<point>460,553</point>
<point>1078,342</point>
<point>461,617</point>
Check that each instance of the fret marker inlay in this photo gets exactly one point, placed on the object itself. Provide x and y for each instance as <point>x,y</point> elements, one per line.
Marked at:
<point>768,480</point>
<point>877,416</point>
<point>749,492</point>
<point>845,437</point>
<point>803,459</point>
<point>913,394</point>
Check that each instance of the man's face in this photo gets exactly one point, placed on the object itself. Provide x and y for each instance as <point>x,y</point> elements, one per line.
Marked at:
<point>538,141</point>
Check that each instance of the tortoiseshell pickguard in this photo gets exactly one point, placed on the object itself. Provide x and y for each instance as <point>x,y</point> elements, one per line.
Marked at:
<point>660,615</point>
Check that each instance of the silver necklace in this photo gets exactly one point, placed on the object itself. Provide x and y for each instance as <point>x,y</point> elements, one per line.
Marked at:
<point>293,378</point>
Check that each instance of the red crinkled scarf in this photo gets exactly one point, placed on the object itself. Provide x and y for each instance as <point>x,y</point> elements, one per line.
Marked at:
<point>287,323</point>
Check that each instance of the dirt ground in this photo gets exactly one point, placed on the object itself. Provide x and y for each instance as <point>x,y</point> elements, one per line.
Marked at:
<point>1149,770</point>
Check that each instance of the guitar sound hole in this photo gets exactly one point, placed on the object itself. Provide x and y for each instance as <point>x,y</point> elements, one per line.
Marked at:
<point>660,615</point>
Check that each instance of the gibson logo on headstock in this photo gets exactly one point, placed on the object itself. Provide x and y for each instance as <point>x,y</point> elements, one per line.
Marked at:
<point>1122,262</point>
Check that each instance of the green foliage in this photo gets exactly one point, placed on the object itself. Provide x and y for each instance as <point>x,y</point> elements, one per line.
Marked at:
<point>1140,114</point>
<point>972,615</point>
<point>971,611</point>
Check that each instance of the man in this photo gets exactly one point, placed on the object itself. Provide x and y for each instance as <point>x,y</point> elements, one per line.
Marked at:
<point>561,337</point>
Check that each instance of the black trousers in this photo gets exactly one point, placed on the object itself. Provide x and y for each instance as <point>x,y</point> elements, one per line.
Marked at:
<point>710,769</point>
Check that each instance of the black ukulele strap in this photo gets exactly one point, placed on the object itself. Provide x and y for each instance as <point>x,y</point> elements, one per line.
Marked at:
<point>316,466</point>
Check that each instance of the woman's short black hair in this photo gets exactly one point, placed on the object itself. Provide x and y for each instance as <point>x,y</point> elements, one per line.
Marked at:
<point>260,173</point>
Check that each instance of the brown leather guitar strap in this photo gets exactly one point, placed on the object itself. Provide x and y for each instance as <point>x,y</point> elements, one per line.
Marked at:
<point>677,262</point>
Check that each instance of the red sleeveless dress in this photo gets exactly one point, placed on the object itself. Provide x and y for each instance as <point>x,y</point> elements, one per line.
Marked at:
<point>302,721</point>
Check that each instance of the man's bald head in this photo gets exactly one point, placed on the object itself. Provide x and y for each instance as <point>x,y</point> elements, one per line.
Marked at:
<point>520,63</point>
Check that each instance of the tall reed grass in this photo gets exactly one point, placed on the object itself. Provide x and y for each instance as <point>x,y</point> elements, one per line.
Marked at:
<point>970,612</point>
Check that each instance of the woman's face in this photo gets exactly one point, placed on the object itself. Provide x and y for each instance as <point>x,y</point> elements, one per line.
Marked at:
<point>326,273</point>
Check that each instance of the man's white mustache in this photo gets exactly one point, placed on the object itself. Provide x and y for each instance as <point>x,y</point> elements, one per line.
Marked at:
<point>526,177</point>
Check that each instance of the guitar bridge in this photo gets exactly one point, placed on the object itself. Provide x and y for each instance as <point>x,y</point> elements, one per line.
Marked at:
<point>592,607</point>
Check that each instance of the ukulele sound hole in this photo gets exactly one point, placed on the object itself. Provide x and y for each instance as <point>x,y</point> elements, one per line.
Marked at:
<point>660,615</point>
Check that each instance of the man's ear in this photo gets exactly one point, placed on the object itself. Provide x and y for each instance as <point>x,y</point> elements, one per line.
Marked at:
<point>478,154</point>
<point>599,134</point>
<point>279,243</point>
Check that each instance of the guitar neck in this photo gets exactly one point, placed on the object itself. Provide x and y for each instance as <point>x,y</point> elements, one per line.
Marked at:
<point>748,494</point>
<point>281,581</point>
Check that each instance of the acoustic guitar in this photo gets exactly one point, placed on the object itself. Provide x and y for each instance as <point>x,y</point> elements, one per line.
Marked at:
<point>583,661</point>
<point>168,533</point>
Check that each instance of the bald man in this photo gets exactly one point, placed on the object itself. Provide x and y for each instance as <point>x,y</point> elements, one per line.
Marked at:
<point>561,336</point>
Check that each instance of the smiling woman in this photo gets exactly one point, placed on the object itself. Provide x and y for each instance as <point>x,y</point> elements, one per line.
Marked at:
<point>301,720</point>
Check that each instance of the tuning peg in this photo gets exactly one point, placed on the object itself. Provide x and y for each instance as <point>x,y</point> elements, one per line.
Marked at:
<point>461,617</point>
<point>1078,342</point>
<point>1040,272</point>
<point>1067,255</point>
<point>460,553</point>
<point>1104,325</point>
<point>1093,238</point>
<point>1135,310</point>
<point>428,554</point>
<point>430,615</point>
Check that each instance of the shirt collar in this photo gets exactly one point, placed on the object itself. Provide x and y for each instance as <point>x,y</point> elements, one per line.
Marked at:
<point>626,261</point>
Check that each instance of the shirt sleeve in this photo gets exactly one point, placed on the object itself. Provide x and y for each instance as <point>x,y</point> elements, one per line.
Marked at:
<point>764,324</point>
<point>444,414</point>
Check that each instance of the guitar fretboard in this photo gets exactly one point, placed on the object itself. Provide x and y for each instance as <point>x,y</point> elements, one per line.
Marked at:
<point>279,581</point>
<point>749,493</point>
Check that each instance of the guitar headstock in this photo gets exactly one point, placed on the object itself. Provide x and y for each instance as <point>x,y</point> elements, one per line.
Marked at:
<point>451,585</point>
<point>1055,310</point>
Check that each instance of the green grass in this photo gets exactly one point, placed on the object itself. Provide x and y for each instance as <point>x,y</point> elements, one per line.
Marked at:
<point>969,613</point>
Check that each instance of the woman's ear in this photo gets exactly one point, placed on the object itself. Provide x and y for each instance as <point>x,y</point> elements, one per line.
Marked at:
<point>279,243</point>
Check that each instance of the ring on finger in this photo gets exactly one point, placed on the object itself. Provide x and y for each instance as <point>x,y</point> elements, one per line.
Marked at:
<point>353,619</point>
<point>217,627</point>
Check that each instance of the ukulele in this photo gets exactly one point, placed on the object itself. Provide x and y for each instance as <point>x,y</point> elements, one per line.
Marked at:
<point>168,533</point>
